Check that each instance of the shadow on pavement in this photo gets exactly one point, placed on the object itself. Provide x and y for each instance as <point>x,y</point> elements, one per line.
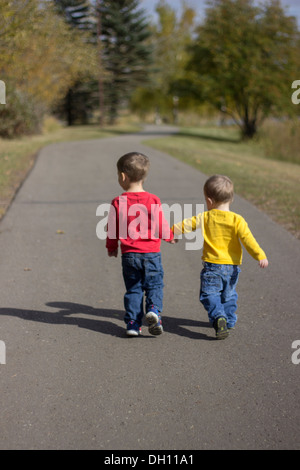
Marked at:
<point>66,311</point>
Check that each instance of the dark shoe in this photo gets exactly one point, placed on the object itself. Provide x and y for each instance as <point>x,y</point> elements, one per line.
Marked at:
<point>220,325</point>
<point>133,328</point>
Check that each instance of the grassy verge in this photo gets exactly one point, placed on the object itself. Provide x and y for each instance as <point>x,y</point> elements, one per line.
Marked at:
<point>18,156</point>
<point>271,185</point>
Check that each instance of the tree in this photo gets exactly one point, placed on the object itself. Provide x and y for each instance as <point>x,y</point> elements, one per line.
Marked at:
<point>37,60</point>
<point>125,52</point>
<point>82,97</point>
<point>76,12</point>
<point>171,36</point>
<point>245,56</point>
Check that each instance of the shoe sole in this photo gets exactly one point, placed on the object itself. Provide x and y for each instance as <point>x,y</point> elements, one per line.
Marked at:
<point>222,330</point>
<point>152,320</point>
<point>132,333</point>
<point>156,330</point>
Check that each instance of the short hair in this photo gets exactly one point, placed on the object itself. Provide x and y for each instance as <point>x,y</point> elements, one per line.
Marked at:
<point>135,165</point>
<point>219,188</point>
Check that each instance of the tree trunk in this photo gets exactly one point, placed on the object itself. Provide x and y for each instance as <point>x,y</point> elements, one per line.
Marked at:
<point>69,110</point>
<point>101,92</point>
<point>249,128</point>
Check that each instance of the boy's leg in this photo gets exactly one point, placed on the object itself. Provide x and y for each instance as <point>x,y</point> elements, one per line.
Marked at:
<point>153,285</point>
<point>210,297</point>
<point>133,298</point>
<point>153,281</point>
<point>211,291</point>
<point>229,295</point>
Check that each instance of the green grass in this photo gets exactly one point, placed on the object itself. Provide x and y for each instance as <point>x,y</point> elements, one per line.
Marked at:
<point>271,185</point>
<point>17,156</point>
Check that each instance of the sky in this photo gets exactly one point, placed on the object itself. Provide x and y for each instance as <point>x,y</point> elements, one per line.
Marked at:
<point>292,6</point>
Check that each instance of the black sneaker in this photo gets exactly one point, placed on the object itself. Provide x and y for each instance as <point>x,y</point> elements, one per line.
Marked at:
<point>220,325</point>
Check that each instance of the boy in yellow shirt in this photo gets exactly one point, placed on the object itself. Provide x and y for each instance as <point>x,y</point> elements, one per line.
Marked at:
<point>222,231</point>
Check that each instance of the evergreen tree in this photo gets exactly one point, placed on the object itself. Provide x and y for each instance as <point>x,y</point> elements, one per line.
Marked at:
<point>125,50</point>
<point>76,12</point>
<point>82,98</point>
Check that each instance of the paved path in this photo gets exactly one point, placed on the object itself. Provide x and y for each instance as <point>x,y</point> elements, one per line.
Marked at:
<point>72,380</point>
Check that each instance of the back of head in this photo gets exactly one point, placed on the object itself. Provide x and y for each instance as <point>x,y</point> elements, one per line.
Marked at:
<point>135,165</point>
<point>219,188</point>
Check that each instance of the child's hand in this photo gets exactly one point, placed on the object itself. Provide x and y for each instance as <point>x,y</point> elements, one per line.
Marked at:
<point>173,241</point>
<point>113,253</point>
<point>263,263</point>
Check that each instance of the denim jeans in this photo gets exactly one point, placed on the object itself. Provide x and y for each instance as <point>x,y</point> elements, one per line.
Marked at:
<point>143,274</point>
<point>217,291</point>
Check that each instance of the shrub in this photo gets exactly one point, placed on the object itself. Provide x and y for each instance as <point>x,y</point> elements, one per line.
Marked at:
<point>281,140</point>
<point>19,115</point>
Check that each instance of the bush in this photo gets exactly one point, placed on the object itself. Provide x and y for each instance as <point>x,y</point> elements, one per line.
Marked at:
<point>19,116</point>
<point>281,140</point>
<point>50,124</point>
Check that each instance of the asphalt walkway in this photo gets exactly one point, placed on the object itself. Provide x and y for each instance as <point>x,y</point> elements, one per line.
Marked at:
<point>73,380</point>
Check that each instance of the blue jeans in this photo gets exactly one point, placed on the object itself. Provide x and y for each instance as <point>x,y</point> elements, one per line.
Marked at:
<point>217,291</point>
<point>143,274</point>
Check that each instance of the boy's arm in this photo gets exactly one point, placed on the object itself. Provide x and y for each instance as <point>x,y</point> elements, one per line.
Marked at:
<point>188,225</point>
<point>251,245</point>
<point>112,231</point>
<point>166,233</point>
<point>160,228</point>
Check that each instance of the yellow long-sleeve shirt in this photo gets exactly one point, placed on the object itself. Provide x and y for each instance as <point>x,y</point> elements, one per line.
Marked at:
<point>222,232</point>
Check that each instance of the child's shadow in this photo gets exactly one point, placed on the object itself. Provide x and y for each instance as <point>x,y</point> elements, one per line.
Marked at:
<point>66,311</point>
<point>182,327</point>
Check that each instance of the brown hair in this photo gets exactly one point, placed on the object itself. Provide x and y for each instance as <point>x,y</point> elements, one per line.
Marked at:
<point>219,188</point>
<point>135,165</point>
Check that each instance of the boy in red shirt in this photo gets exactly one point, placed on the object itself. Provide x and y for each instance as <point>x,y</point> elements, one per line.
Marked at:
<point>137,221</point>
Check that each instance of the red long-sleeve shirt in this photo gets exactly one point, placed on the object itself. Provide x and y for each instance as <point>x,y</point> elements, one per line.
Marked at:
<point>137,220</point>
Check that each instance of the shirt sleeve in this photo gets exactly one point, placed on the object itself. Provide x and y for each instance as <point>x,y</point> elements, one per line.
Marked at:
<point>112,228</point>
<point>249,242</point>
<point>188,225</point>
<point>160,228</point>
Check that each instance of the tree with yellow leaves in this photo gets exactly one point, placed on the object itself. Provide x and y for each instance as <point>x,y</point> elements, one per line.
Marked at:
<point>41,56</point>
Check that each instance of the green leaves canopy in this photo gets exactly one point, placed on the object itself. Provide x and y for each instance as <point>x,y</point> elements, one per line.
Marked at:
<point>246,58</point>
